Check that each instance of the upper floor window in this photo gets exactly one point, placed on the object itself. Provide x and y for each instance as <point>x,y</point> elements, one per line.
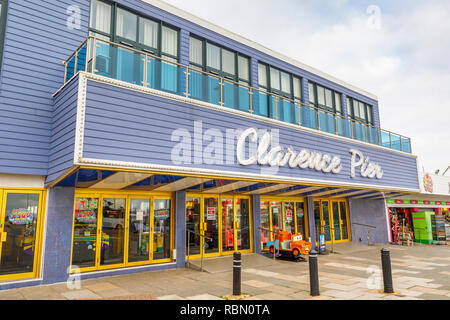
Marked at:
<point>116,24</point>
<point>3,7</point>
<point>324,98</point>
<point>279,82</point>
<point>360,111</point>
<point>211,58</point>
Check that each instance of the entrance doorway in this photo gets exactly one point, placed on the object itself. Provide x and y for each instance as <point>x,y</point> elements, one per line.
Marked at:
<point>331,220</point>
<point>120,230</point>
<point>282,214</point>
<point>20,233</point>
<point>217,225</point>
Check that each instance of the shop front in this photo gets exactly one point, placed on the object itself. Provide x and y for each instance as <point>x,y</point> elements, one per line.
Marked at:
<point>21,220</point>
<point>217,225</point>
<point>121,229</point>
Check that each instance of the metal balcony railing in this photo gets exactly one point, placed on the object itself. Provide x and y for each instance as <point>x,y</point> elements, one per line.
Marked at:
<point>142,68</point>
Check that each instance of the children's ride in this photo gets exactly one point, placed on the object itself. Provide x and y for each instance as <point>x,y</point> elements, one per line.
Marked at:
<point>288,245</point>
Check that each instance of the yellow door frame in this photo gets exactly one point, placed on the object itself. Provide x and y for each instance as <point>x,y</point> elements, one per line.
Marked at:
<point>127,195</point>
<point>38,231</point>
<point>331,218</point>
<point>219,197</point>
<point>283,200</point>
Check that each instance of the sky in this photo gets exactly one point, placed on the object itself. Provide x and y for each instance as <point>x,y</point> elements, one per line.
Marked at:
<point>398,50</point>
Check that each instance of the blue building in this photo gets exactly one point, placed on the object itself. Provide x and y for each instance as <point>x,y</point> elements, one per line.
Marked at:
<point>134,135</point>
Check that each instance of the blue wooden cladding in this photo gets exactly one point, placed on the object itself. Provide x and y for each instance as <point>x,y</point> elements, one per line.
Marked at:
<point>130,126</point>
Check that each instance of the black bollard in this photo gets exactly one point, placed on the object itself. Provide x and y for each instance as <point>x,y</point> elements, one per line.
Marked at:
<point>237,274</point>
<point>313,274</point>
<point>387,272</point>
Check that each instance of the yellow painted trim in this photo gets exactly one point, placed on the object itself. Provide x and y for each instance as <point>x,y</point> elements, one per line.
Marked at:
<point>38,231</point>
<point>128,195</point>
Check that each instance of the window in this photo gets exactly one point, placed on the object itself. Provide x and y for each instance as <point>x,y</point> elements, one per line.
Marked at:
<point>279,82</point>
<point>360,111</point>
<point>324,98</point>
<point>217,60</point>
<point>3,8</point>
<point>130,29</point>
<point>100,21</point>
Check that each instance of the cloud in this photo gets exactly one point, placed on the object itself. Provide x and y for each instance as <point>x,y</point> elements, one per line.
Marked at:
<point>405,62</point>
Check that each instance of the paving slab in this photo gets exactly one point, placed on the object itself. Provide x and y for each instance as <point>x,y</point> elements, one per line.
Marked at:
<point>80,295</point>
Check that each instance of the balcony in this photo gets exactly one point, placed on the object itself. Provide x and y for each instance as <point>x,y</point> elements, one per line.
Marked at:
<point>141,68</point>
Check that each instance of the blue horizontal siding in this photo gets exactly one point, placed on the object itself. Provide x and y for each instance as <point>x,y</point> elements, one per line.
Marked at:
<point>125,125</point>
<point>62,142</point>
<point>37,40</point>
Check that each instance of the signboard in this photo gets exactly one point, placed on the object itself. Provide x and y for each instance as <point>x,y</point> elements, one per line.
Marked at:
<point>139,215</point>
<point>211,213</point>
<point>418,202</point>
<point>289,214</point>
<point>162,214</point>
<point>20,216</point>
<point>86,216</point>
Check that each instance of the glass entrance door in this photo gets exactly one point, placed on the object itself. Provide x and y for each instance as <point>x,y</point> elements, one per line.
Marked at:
<point>331,219</point>
<point>139,239</point>
<point>193,221</point>
<point>161,228</point>
<point>242,224</point>
<point>289,216</point>
<point>113,231</point>
<point>85,233</point>
<point>228,225</point>
<point>211,225</point>
<point>18,234</point>
<point>276,216</point>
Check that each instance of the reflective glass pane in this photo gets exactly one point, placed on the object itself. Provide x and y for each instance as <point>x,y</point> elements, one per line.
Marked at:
<point>385,139</point>
<point>113,232</point>
<point>277,222</point>
<point>328,98</point>
<point>297,88</point>
<point>169,75</point>
<point>275,79</point>
<point>139,230</point>
<point>300,216</point>
<point>265,223</point>
<point>228,62</point>
<point>343,127</point>
<point>244,99</point>
<point>289,217</point>
<point>211,218</point>
<point>312,97</point>
<point>193,219</point>
<point>343,213</point>
<point>169,41</point>
<point>20,226</point>
<point>227,225</point>
<point>244,70</point>
<point>406,145</point>
<point>327,123</point>
<point>129,66</point>
<point>70,72</point>
<point>126,24</point>
<point>148,32</point>
<point>336,224</point>
<point>196,51</point>
<point>321,95</point>
<point>229,94</point>
<point>243,224</point>
<point>337,99</point>
<point>285,83</point>
<point>212,56</point>
<point>395,142</point>
<point>308,117</point>
<point>85,232</point>
<point>262,106</point>
<point>103,61</point>
<point>81,63</point>
<point>161,229</point>
<point>359,131</point>
<point>262,75</point>
<point>288,111</point>
<point>100,18</point>
<point>317,220</point>
<point>326,221</point>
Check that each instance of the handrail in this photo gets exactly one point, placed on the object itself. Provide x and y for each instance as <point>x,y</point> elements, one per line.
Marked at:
<point>364,225</point>
<point>370,133</point>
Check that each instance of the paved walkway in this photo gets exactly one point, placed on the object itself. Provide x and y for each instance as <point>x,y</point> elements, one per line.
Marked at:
<point>352,273</point>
